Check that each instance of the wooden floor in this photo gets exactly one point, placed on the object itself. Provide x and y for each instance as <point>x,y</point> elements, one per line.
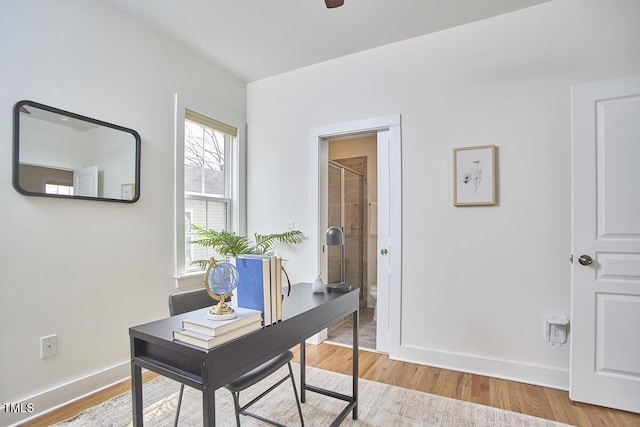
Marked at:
<point>75,408</point>
<point>527,399</point>
<point>518,397</point>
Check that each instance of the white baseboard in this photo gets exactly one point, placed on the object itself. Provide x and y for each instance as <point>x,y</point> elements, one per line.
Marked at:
<point>64,394</point>
<point>546,376</point>
<point>318,338</point>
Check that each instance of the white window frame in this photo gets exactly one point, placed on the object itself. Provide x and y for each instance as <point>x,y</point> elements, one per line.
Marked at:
<point>235,157</point>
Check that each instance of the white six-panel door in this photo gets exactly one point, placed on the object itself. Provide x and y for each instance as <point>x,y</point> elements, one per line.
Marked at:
<point>605,328</point>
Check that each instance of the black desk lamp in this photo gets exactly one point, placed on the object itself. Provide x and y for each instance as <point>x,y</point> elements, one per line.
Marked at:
<point>335,236</point>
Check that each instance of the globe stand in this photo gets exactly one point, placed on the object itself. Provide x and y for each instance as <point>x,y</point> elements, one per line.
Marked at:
<point>220,311</point>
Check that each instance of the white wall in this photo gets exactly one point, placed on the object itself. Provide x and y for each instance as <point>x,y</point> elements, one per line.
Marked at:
<point>84,270</point>
<point>477,282</point>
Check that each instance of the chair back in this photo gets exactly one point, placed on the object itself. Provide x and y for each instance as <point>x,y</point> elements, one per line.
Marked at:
<point>182,302</point>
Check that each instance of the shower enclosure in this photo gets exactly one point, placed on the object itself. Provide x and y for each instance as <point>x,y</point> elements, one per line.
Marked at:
<point>347,201</point>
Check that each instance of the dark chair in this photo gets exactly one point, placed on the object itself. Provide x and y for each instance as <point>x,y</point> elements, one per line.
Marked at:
<point>182,302</point>
<point>258,374</point>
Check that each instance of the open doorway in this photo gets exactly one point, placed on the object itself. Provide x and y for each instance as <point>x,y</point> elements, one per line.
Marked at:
<point>352,201</point>
<point>389,216</point>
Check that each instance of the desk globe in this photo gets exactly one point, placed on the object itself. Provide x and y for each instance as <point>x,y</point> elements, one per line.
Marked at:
<point>221,279</point>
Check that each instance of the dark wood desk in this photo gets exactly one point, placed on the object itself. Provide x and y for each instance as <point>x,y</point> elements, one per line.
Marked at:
<point>304,314</point>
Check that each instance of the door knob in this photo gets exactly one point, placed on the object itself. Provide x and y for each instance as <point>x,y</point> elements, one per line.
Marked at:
<point>384,252</point>
<point>585,260</point>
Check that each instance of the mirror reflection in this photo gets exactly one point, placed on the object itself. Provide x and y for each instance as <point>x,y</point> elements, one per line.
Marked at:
<point>63,154</point>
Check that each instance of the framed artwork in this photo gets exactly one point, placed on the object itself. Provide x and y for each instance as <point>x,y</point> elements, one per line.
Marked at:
<point>127,191</point>
<point>474,175</point>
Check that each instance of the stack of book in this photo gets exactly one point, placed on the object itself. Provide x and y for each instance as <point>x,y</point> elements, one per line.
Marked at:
<point>260,285</point>
<point>207,333</point>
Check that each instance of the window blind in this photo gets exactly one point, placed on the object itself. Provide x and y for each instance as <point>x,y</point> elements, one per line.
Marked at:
<point>210,123</point>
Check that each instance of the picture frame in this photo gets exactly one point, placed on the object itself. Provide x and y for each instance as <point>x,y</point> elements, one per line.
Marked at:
<point>127,191</point>
<point>474,175</point>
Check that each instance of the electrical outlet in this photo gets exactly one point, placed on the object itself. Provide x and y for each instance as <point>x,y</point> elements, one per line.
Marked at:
<point>558,334</point>
<point>48,346</point>
<point>556,329</point>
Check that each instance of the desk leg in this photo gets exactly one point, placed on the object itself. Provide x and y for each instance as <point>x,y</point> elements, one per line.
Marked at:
<point>303,372</point>
<point>356,320</point>
<point>136,395</point>
<point>208,399</point>
<point>208,407</point>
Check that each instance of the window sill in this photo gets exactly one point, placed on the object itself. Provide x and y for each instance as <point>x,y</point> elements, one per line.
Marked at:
<point>190,280</point>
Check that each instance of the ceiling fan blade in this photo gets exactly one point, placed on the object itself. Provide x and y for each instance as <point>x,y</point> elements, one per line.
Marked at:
<point>333,3</point>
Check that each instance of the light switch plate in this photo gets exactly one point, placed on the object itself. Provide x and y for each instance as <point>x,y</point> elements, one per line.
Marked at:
<point>48,346</point>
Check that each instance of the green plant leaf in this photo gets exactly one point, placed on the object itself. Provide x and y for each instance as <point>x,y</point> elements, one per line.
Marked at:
<point>264,242</point>
<point>229,244</point>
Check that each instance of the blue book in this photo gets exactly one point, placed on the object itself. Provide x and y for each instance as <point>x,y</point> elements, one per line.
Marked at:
<point>254,285</point>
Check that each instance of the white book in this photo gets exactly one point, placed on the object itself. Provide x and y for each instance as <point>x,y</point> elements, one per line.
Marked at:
<point>278,287</point>
<point>202,324</point>
<point>273,261</point>
<point>207,341</point>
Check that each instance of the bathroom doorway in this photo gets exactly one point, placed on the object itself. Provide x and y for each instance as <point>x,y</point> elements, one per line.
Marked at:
<point>387,243</point>
<point>352,193</point>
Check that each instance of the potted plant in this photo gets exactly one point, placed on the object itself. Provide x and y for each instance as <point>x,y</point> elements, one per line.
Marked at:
<point>228,244</point>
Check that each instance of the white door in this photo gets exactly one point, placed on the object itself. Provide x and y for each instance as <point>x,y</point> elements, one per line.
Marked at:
<point>605,290</point>
<point>384,244</point>
<point>85,181</point>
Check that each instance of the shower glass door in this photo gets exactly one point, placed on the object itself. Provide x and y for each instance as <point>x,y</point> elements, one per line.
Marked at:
<point>335,218</point>
<point>346,208</point>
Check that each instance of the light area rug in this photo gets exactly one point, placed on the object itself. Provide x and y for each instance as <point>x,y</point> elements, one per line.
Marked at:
<point>379,405</point>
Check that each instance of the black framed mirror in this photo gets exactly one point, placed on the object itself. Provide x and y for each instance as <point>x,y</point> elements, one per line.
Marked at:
<point>57,153</point>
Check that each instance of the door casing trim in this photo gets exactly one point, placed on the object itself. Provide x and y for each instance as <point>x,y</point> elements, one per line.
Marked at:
<point>318,165</point>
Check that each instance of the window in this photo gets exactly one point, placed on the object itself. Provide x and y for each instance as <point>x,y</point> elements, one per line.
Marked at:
<point>207,185</point>
<point>64,189</point>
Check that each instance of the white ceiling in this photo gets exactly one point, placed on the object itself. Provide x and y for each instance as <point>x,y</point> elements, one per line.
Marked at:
<point>255,39</point>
